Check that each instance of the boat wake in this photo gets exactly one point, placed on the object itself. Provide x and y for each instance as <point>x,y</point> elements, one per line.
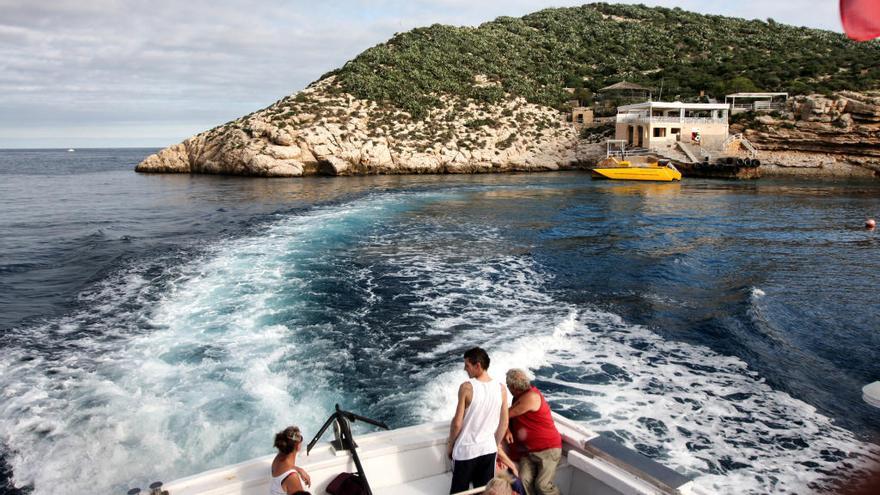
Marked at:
<point>172,367</point>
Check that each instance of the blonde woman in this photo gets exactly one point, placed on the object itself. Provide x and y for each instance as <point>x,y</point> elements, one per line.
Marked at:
<point>499,485</point>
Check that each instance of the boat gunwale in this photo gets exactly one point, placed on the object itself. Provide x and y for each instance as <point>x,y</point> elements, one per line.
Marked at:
<point>576,440</point>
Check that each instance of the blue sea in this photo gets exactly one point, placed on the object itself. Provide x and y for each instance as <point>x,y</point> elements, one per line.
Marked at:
<point>153,326</point>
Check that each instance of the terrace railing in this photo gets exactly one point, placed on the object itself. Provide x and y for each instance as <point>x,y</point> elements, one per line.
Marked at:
<point>644,119</point>
<point>745,143</point>
<point>758,106</point>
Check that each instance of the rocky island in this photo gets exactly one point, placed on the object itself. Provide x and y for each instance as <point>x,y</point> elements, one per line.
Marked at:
<point>445,99</point>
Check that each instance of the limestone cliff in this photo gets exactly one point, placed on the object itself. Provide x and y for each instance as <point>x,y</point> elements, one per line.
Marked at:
<point>324,130</point>
<point>819,135</point>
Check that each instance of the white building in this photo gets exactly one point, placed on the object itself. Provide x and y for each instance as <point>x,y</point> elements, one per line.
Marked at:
<point>656,124</point>
<point>755,102</point>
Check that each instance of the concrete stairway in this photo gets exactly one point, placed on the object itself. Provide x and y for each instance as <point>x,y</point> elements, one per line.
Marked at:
<point>688,150</point>
<point>673,154</point>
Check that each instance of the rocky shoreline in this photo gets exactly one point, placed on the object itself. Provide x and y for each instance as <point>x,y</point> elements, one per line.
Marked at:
<point>819,136</point>
<point>323,130</point>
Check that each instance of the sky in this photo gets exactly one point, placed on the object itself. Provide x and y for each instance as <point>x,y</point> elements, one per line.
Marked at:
<point>126,73</point>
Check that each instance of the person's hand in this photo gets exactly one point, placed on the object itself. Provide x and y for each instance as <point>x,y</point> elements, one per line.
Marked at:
<point>449,446</point>
<point>514,470</point>
<point>304,475</point>
<point>508,437</point>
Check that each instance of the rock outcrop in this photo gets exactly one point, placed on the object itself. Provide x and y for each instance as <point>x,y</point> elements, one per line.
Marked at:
<point>324,130</point>
<point>820,135</point>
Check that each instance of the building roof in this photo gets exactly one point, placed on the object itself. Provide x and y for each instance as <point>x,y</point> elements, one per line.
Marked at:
<point>623,85</point>
<point>756,95</point>
<point>673,105</point>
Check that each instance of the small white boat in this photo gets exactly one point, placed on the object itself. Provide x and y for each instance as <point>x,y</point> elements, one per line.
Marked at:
<point>871,394</point>
<point>70,150</point>
<point>412,461</point>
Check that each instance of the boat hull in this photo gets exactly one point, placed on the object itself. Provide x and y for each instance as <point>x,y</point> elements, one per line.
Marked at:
<point>660,174</point>
<point>721,170</point>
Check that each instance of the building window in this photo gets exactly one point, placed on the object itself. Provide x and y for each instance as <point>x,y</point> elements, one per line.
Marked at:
<point>675,130</point>
<point>580,118</point>
<point>659,132</point>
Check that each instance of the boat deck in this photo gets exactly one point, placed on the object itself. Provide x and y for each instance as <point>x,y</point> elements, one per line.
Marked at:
<point>438,483</point>
<point>413,461</point>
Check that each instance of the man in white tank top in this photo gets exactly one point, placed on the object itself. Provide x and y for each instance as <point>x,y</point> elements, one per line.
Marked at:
<point>478,425</point>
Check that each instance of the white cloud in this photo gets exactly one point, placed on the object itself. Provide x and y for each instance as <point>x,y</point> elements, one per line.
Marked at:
<point>69,64</point>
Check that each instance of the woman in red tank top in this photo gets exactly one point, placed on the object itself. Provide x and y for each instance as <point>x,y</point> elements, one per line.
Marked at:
<point>536,442</point>
<point>535,429</point>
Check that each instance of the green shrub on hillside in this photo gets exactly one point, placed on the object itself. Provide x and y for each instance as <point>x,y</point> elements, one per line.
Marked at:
<point>595,45</point>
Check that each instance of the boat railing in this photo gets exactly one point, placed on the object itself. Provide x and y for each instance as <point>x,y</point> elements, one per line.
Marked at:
<point>344,440</point>
<point>590,445</point>
<point>472,491</point>
<point>630,152</point>
<point>661,477</point>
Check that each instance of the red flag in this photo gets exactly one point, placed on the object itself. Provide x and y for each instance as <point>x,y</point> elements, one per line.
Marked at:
<point>861,19</point>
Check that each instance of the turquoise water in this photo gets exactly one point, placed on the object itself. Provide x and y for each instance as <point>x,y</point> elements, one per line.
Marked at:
<point>156,326</point>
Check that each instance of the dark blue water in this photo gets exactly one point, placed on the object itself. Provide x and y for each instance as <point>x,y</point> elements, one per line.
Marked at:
<point>157,325</point>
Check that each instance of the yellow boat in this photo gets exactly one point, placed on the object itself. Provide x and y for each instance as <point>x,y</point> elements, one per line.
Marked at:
<point>625,171</point>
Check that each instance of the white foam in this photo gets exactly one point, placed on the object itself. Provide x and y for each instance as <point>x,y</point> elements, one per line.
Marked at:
<point>712,408</point>
<point>208,385</point>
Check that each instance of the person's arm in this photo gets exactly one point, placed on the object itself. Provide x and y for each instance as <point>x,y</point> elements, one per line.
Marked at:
<point>527,402</point>
<point>292,483</point>
<point>507,461</point>
<point>304,475</point>
<point>502,423</point>
<point>464,393</point>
